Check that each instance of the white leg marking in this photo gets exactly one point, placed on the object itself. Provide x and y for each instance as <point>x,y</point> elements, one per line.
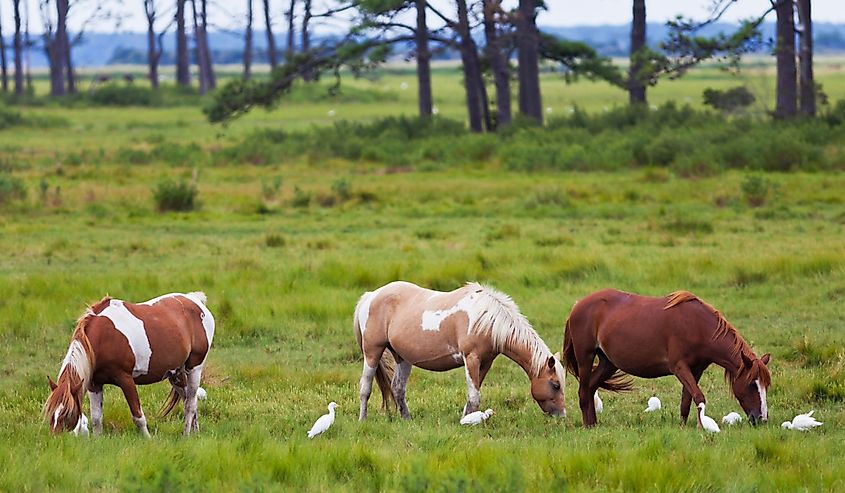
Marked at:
<point>141,423</point>
<point>96,400</point>
<point>473,395</point>
<point>366,388</point>
<point>194,376</point>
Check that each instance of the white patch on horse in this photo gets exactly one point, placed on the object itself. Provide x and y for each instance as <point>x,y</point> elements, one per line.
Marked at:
<point>431,319</point>
<point>362,309</point>
<point>133,329</point>
<point>764,408</point>
<point>198,298</point>
<point>473,395</point>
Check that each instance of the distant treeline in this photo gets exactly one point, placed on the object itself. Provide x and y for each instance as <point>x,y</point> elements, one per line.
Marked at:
<point>130,48</point>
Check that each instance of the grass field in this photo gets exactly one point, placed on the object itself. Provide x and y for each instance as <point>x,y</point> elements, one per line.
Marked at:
<point>283,280</point>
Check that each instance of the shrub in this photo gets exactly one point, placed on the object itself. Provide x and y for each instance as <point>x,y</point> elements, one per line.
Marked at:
<point>122,95</point>
<point>172,196</point>
<point>11,188</point>
<point>729,100</point>
<point>300,198</point>
<point>756,189</point>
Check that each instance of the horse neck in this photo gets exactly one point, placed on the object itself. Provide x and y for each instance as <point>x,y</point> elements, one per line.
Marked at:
<point>726,355</point>
<point>524,357</point>
<point>78,365</point>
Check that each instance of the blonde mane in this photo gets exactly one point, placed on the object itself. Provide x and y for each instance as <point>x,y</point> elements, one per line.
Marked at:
<point>500,318</point>
<point>739,350</point>
<point>76,370</point>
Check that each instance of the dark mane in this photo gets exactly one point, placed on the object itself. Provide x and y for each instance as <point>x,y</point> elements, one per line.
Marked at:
<point>740,349</point>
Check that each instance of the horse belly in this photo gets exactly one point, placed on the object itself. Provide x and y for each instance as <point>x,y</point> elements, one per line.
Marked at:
<point>645,358</point>
<point>428,353</point>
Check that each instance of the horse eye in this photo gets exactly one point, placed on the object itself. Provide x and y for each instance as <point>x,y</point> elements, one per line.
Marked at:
<point>555,385</point>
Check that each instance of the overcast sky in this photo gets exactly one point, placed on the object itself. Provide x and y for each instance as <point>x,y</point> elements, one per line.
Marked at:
<point>229,14</point>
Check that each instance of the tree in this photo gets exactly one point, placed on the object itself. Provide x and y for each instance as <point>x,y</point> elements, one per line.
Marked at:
<point>154,43</point>
<point>291,17</point>
<point>786,99</point>
<point>423,55</point>
<point>271,40</point>
<point>495,52</point>
<point>248,42</point>
<point>203,53</point>
<point>306,35</point>
<point>58,52</point>
<point>183,68</point>
<point>805,59</point>
<point>528,44</point>
<point>473,83</point>
<point>636,86</point>
<point>18,49</point>
<point>4,74</point>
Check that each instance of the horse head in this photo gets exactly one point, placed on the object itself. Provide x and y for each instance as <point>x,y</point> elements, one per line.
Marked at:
<point>63,409</point>
<point>750,384</point>
<point>547,387</point>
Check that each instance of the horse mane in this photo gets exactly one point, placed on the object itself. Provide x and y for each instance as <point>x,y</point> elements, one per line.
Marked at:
<point>739,349</point>
<point>77,367</point>
<point>500,318</point>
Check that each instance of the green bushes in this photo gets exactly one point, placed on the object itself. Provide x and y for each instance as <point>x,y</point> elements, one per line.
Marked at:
<point>690,143</point>
<point>123,95</point>
<point>170,195</point>
<point>11,188</point>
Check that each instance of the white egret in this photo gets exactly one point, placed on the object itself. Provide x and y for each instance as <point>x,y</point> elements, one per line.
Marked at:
<point>201,394</point>
<point>81,426</point>
<point>731,418</point>
<point>323,422</point>
<point>708,423</point>
<point>802,422</point>
<point>653,404</point>
<point>477,417</point>
<point>598,403</point>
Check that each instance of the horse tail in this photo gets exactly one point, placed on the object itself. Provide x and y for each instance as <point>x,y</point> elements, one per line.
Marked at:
<point>386,365</point>
<point>569,350</point>
<point>172,399</point>
<point>618,382</point>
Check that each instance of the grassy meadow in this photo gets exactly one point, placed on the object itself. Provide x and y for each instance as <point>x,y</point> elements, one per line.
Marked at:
<point>285,248</point>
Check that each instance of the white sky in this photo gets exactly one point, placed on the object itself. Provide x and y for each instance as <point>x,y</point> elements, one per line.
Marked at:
<point>230,13</point>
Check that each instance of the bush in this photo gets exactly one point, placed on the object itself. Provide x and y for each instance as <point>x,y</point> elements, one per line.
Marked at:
<point>756,189</point>
<point>172,196</point>
<point>11,188</point>
<point>122,95</point>
<point>729,100</point>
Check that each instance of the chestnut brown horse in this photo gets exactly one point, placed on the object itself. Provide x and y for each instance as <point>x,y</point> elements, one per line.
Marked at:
<point>650,337</point>
<point>128,344</point>
<point>440,331</point>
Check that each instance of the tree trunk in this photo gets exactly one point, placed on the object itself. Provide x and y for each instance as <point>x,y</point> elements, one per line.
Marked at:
<point>271,41</point>
<point>636,86</point>
<point>199,56</point>
<point>472,69</point>
<point>530,101</point>
<point>18,50</point>
<point>786,105</point>
<point>183,63</point>
<point>426,101</point>
<point>291,16</point>
<point>27,43</point>
<point>57,51</point>
<point>211,79</point>
<point>805,60</point>
<point>498,63</point>
<point>248,42</point>
<point>71,77</point>
<point>307,75</point>
<point>4,69</point>
<point>152,48</point>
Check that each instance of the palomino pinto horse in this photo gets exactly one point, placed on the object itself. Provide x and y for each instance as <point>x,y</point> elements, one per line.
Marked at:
<point>650,337</point>
<point>127,344</point>
<point>440,331</point>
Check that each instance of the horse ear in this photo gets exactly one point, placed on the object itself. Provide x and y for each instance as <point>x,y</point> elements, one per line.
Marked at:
<point>75,388</point>
<point>765,359</point>
<point>52,383</point>
<point>746,361</point>
<point>557,355</point>
<point>552,362</point>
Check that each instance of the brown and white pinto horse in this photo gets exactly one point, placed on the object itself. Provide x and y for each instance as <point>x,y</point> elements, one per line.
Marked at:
<point>128,344</point>
<point>651,337</point>
<point>440,331</point>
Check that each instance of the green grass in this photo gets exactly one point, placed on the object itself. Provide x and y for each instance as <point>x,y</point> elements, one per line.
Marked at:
<point>283,280</point>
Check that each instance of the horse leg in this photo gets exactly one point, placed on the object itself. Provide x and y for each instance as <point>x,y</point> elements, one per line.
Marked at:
<point>472,368</point>
<point>686,397</point>
<point>604,370</point>
<point>399,384</point>
<point>690,382</point>
<point>95,397</point>
<point>371,362</point>
<point>194,376</point>
<point>585,395</point>
<point>130,392</point>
